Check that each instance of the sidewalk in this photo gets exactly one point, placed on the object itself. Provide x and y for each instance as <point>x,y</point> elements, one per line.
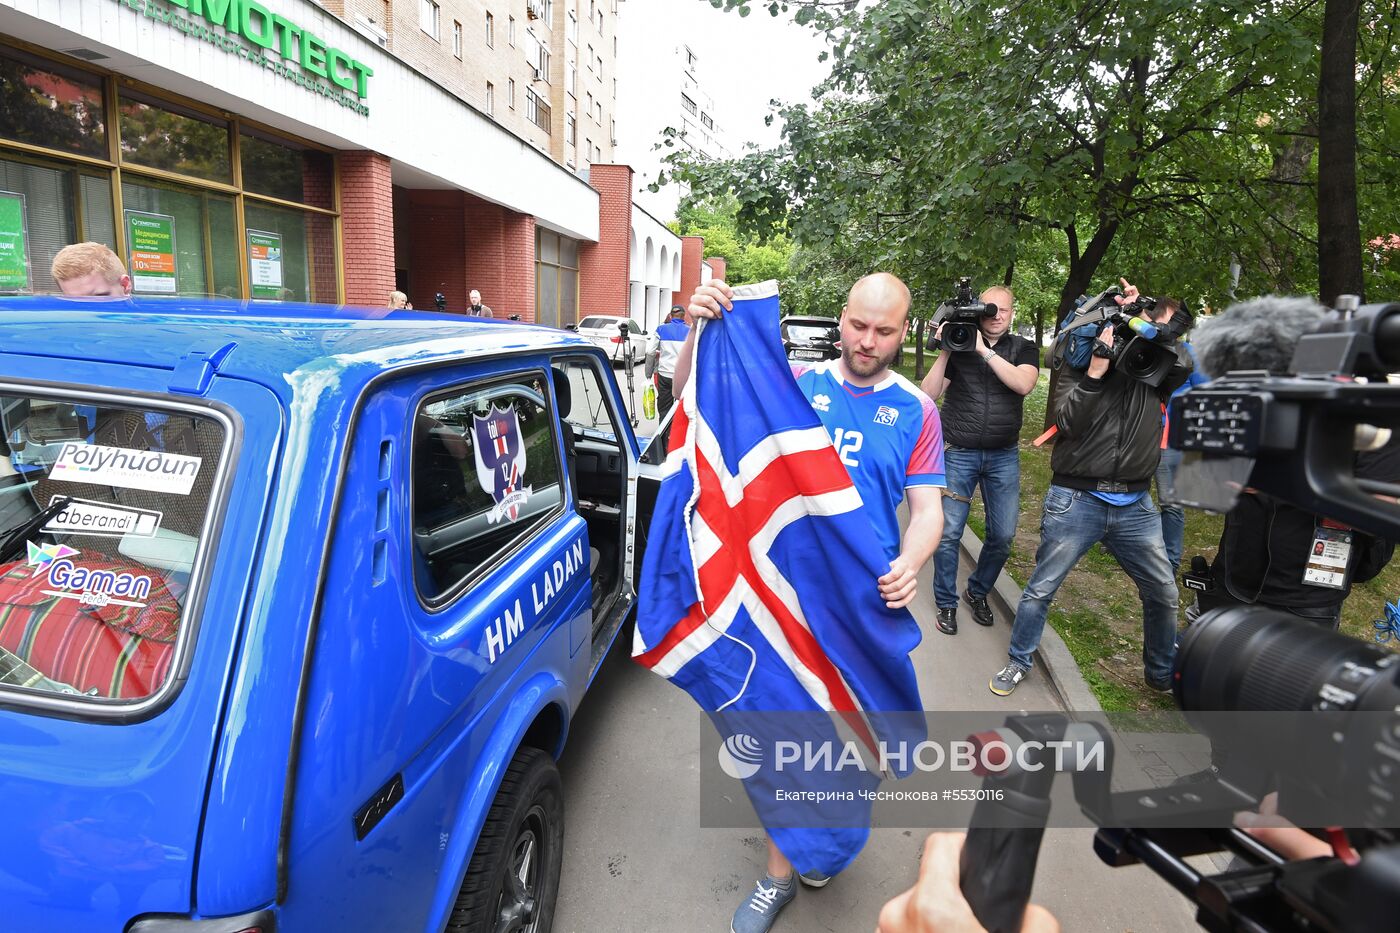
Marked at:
<point>636,858</point>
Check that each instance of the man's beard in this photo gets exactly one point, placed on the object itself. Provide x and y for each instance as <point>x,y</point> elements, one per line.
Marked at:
<point>865,370</point>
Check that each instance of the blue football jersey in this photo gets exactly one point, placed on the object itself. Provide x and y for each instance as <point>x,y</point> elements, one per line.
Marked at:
<point>888,435</point>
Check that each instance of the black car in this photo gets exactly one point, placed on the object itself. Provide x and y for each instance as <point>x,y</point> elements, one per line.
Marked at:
<point>810,338</point>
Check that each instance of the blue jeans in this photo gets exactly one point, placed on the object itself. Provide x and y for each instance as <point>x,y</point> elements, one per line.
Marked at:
<point>1173,516</point>
<point>1073,521</point>
<point>998,471</point>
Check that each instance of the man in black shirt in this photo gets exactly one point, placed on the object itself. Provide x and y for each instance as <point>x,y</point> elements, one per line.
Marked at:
<point>985,392</point>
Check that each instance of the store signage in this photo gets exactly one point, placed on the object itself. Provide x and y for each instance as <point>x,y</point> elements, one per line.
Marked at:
<point>265,264</point>
<point>14,244</point>
<point>302,56</point>
<point>150,241</point>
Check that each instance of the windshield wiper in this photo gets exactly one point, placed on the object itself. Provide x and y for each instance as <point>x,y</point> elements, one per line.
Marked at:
<point>19,535</point>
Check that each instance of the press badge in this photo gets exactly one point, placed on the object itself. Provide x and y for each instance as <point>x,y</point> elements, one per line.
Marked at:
<point>1331,554</point>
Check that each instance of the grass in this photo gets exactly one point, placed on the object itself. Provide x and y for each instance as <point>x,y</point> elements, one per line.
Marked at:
<point>1097,611</point>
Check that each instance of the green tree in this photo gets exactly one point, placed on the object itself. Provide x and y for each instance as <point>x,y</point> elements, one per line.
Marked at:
<point>748,258</point>
<point>1161,137</point>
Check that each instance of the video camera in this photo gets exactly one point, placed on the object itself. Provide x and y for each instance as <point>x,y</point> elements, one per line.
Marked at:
<point>960,316</point>
<point>1141,349</point>
<point>1291,437</point>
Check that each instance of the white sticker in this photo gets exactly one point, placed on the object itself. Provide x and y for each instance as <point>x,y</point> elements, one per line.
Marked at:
<point>152,470</point>
<point>103,520</point>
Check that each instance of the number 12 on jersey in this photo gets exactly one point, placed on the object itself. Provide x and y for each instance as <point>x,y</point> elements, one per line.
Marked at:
<point>847,442</point>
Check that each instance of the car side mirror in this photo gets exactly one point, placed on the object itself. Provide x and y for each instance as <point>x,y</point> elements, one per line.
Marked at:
<point>573,327</point>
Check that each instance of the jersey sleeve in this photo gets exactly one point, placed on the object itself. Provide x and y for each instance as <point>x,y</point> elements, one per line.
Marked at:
<point>799,369</point>
<point>925,466</point>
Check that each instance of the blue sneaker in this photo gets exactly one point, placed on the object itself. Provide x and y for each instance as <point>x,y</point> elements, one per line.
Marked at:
<point>760,909</point>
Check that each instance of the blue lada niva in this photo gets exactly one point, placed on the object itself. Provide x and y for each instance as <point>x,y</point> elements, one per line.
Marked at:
<point>296,604</point>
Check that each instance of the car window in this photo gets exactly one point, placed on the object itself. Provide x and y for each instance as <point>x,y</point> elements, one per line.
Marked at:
<point>103,509</point>
<point>811,331</point>
<point>597,322</point>
<point>634,327</point>
<point>485,478</point>
<point>586,406</point>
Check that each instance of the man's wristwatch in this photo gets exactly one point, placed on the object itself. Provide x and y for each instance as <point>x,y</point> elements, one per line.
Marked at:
<point>988,355</point>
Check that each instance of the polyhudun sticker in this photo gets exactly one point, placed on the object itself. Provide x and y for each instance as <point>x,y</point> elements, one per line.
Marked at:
<point>151,470</point>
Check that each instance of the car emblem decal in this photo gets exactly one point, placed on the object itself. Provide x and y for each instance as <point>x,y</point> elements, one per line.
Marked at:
<point>500,462</point>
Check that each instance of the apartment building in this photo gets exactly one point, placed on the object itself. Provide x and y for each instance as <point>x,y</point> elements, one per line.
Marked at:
<point>330,152</point>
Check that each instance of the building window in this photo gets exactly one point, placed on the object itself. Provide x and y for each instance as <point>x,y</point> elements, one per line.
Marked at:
<point>707,121</point>
<point>571,130</point>
<point>556,285</point>
<point>510,32</point>
<point>600,66</point>
<point>588,149</point>
<point>600,21</point>
<point>592,6</point>
<point>168,137</point>
<point>573,27</point>
<point>614,132</point>
<point>536,110</point>
<point>590,58</point>
<point>588,96</point>
<point>490,31</point>
<point>490,98</point>
<point>428,17</point>
<point>573,79</point>
<point>456,38</point>
<point>510,93</point>
<point>599,106</point>
<point>687,104</point>
<point>689,58</point>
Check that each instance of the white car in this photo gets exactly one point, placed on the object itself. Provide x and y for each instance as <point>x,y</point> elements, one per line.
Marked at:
<point>602,331</point>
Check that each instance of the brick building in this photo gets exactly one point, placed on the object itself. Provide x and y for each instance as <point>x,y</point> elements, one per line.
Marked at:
<point>333,152</point>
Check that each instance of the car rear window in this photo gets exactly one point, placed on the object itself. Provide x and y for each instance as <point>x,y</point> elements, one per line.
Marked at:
<point>102,511</point>
<point>797,331</point>
<point>597,322</point>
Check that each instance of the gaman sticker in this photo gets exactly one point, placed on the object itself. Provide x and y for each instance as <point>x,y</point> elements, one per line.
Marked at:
<point>500,462</point>
<point>151,470</point>
<point>103,520</point>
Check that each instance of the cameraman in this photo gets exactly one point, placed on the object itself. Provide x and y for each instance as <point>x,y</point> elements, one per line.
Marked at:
<point>1109,428</point>
<point>986,390</point>
<point>1267,545</point>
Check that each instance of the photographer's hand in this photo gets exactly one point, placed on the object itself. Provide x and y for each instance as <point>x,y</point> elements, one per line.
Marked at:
<point>1130,293</point>
<point>1098,365</point>
<point>936,905</point>
<point>1279,834</point>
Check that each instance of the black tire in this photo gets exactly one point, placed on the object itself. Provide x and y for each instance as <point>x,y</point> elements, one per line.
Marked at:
<point>524,830</point>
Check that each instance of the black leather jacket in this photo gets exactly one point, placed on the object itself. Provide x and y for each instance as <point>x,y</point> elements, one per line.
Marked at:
<point>1109,430</point>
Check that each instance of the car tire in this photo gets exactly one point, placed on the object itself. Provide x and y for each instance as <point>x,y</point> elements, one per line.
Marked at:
<point>523,835</point>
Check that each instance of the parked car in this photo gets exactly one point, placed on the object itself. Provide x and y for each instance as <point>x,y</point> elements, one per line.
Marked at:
<point>810,338</point>
<point>296,606</point>
<point>602,331</point>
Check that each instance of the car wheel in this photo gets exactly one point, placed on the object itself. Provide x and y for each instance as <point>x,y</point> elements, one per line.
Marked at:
<point>513,878</point>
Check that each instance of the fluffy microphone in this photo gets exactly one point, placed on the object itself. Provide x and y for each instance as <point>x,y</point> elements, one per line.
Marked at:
<point>1261,333</point>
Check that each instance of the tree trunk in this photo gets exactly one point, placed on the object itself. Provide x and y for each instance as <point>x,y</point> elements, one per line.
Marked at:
<point>1339,270</point>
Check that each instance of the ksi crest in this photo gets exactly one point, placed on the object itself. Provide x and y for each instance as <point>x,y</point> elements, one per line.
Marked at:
<point>500,461</point>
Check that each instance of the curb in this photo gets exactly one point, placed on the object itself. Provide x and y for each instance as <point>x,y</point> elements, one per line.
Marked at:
<point>1059,665</point>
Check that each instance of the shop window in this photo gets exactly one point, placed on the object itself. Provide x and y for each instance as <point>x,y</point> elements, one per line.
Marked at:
<point>291,254</point>
<point>47,105</point>
<point>39,215</point>
<point>180,241</point>
<point>282,169</point>
<point>165,136</point>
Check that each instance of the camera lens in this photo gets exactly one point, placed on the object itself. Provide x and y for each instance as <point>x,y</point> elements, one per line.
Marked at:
<point>1247,659</point>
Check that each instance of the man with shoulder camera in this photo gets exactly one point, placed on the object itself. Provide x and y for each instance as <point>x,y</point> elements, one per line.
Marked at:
<point>981,394</point>
<point>1109,438</point>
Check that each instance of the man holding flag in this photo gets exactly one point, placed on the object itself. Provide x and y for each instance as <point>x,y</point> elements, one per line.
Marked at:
<point>774,490</point>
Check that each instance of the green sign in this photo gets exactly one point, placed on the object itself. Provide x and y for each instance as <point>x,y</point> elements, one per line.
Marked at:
<point>14,245</point>
<point>150,248</point>
<point>265,264</point>
<point>300,55</point>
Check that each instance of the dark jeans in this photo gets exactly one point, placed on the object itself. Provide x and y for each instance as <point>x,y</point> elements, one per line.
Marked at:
<point>998,472</point>
<point>1173,516</point>
<point>1073,521</point>
<point>664,398</point>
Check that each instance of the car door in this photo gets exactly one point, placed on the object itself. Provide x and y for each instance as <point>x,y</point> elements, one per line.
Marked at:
<point>459,575</point>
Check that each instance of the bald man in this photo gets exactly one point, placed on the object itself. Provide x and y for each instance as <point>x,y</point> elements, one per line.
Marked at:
<point>888,434</point>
